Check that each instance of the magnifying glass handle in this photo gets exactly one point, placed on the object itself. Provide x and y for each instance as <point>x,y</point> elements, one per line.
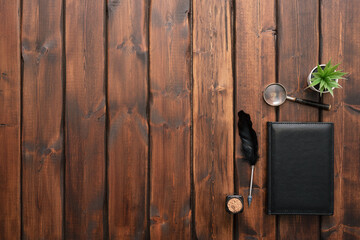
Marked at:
<point>310,103</point>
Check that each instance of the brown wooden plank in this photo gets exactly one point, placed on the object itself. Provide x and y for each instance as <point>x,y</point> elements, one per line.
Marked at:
<point>340,43</point>
<point>298,52</point>
<point>213,118</point>
<point>42,131</point>
<point>10,119</point>
<point>332,39</point>
<point>170,119</point>
<point>255,28</point>
<point>85,119</point>
<point>128,127</point>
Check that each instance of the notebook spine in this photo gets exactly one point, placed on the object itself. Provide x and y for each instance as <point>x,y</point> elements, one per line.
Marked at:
<point>269,124</point>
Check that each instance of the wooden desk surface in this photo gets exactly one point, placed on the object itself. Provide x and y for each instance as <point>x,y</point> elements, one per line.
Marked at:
<point>118,118</point>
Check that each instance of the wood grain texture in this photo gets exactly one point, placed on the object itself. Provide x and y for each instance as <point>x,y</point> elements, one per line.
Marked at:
<point>213,118</point>
<point>255,28</point>
<point>183,53</point>
<point>128,126</point>
<point>341,44</point>
<point>85,119</point>
<point>332,34</point>
<point>298,53</point>
<point>170,119</point>
<point>42,131</point>
<point>10,72</point>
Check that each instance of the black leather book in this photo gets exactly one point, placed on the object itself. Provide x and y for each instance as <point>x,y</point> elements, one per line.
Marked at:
<point>300,168</point>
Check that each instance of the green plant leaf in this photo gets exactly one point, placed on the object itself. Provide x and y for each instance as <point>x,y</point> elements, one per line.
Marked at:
<point>328,64</point>
<point>326,86</point>
<point>316,74</point>
<point>333,68</point>
<point>333,83</point>
<point>321,89</point>
<point>320,71</point>
<point>327,68</point>
<point>336,74</point>
<point>322,84</point>
<point>315,82</point>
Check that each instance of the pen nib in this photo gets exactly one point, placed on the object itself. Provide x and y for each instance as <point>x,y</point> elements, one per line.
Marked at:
<point>249,200</point>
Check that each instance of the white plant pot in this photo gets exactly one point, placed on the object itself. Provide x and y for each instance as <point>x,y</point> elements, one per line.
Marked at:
<point>310,76</point>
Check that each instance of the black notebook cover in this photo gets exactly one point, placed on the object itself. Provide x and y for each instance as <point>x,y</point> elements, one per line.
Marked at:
<point>300,168</point>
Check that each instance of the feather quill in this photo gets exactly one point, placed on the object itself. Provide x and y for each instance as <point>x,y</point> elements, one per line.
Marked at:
<point>248,138</point>
<point>249,145</point>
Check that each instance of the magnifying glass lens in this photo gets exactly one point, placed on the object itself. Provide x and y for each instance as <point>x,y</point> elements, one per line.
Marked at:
<point>275,95</point>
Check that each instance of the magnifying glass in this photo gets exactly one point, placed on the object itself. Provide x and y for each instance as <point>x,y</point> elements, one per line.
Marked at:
<point>275,95</point>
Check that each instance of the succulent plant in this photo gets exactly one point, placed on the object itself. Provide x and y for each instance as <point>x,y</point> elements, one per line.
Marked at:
<point>325,79</point>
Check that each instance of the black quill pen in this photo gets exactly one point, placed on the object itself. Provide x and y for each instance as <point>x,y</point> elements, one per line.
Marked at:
<point>249,145</point>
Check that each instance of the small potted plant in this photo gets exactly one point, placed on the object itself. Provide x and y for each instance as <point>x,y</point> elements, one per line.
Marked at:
<point>324,78</point>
